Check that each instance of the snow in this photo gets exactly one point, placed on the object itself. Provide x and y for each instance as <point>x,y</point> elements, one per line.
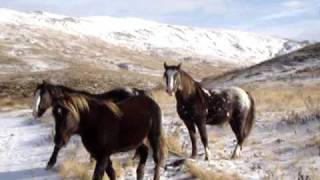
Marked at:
<point>25,147</point>
<point>141,35</point>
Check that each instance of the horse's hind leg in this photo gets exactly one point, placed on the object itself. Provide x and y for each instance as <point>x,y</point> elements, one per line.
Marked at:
<point>237,125</point>
<point>110,171</point>
<point>154,139</point>
<point>143,153</point>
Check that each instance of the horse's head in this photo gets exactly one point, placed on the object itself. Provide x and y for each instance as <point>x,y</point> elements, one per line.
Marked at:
<point>42,99</point>
<point>172,78</point>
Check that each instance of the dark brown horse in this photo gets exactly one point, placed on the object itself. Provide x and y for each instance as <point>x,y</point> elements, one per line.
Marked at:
<point>107,128</point>
<point>197,107</point>
<point>46,94</point>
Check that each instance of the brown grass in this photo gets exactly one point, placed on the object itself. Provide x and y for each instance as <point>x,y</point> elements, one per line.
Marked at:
<point>174,145</point>
<point>284,98</point>
<point>208,174</point>
<point>72,169</point>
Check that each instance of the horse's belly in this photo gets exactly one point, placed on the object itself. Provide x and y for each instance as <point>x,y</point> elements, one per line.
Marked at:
<point>218,116</point>
<point>132,135</point>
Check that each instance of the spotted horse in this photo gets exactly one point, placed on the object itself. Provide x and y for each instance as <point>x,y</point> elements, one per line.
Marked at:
<point>197,107</point>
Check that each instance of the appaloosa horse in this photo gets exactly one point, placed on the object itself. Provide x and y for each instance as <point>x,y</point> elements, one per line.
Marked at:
<point>107,128</point>
<point>197,107</point>
<point>46,94</point>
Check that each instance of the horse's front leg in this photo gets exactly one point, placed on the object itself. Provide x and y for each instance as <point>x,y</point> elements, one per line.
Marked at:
<point>201,124</point>
<point>101,165</point>
<point>53,158</point>
<point>192,133</point>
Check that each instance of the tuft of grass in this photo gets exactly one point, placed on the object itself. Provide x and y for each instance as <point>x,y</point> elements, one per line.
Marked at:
<point>71,169</point>
<point>174,146</point>
<point>74,170</point>
<point>208,174</point>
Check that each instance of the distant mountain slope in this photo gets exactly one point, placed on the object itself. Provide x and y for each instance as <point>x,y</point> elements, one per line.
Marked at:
<point>300,67</point>
<point>184,43</point>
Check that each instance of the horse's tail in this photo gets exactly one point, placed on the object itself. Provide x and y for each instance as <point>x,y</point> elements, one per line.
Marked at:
<point>251,115</point>
<point>157,128</point>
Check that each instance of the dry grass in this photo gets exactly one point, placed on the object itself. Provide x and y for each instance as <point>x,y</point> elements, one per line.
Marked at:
<point>284,98</point>
<point>161,97</point>
<point>14,103</point>
<point>208,174</point>
<point>71,169</point>
<point>174,145</point>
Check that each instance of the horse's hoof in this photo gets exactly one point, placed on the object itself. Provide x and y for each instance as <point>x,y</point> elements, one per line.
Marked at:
<point>49,166</point>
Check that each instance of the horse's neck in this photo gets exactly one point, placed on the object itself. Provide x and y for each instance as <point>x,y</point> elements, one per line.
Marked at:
<point>188,87</point>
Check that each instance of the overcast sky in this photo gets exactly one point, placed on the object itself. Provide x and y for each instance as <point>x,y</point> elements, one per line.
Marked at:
<point>294,19</point>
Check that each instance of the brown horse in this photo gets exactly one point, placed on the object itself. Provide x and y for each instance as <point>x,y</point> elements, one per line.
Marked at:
<point>107,128</point>
<point>197,107</point>
<point>46,94</point>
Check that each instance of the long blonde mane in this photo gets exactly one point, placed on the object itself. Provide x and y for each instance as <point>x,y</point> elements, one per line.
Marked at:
<point>75,104</point>
<point>187,83</point>
<point>114,108</point>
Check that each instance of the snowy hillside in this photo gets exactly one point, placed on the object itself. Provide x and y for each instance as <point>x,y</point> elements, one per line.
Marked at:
<point>298,67</point>
<point>162,39</point>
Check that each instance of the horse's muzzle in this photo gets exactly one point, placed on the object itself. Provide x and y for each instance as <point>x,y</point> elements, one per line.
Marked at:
<point>170,92</point>
<point>35,114</point>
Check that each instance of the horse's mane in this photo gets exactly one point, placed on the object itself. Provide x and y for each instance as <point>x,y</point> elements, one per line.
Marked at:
<point>60,91</point>
<point>114,108</point>
<point>80,103</point>
<point>188,84</point>
<point>75,104</point>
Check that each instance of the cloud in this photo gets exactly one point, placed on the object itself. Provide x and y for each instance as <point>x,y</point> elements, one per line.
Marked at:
<point>302,30</point>
<point>294,4</point>
<point>289,9</point>
<point>284,14</point>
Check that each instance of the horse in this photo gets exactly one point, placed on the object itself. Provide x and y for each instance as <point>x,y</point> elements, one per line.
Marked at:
<point>198,106</point>
<point>107,128</point>
<point>46,94</point>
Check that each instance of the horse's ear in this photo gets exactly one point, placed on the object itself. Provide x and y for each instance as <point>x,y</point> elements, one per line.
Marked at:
<point>165,65</point>
<point>179,65</point>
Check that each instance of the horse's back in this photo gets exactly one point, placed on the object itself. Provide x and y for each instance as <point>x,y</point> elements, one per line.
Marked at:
<point>117,95</point>
<point>223,103</point>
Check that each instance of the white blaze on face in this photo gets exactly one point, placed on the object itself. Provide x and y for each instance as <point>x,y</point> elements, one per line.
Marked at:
<point>170,80</point>
<point>36,103</point>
